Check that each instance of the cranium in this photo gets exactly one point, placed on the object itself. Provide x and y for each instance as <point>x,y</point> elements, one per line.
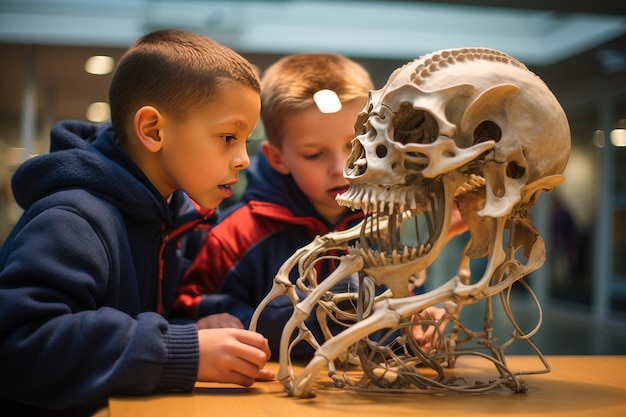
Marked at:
<point>471,128</point>
<point>443,126</point>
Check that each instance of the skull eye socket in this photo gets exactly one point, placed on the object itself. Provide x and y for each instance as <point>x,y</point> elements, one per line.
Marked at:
<point>487,130</point>
<point>414,126</point>
<point>514,171</point>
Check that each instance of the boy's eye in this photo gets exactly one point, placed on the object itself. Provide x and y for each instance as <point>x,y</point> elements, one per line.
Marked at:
<point>228,138</point>
<point>313,156</point>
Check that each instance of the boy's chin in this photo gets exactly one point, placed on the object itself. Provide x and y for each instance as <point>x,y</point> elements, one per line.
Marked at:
<point>207,202</point>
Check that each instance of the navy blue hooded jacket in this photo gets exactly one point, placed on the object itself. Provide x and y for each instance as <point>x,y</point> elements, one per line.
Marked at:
<point>95,254</point>
<point>236,267</point>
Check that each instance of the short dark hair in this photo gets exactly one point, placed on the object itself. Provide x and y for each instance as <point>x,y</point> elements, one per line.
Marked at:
<point>173,70</point>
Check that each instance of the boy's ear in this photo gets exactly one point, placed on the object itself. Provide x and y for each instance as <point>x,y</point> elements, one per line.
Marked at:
<point>275,157</point>
<point>148,120</point>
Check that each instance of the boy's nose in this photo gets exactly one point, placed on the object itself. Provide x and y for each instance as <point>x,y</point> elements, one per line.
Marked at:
<point>339,163</point>
<point>241,160</point>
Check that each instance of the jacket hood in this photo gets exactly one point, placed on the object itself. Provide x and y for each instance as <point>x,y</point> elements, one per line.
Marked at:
<point>87,156</point>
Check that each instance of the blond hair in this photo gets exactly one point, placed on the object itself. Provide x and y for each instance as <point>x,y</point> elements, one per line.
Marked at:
<point>289,84</point>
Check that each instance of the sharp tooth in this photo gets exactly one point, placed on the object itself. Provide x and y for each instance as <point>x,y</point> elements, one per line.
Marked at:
<point>421,250</point>
<point>413,252</point>
<point>382,207</point>
<point>412,202</point>
<point>350,194</point>
<point>405,254</point>
<point>462,189</point>
<point>367,196</point>
<point>390,207</point>
<point>372,257</point>
<point>381,257</point>
<point>472,183</point>
<point>372,201</point>
<point>477,180</point>
<point>401,201</point>
<point>395,258</point>
<point>428,247</point>
<point>356,199</point>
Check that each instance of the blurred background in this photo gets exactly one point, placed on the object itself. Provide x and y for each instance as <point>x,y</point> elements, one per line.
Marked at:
<point>577,48</point>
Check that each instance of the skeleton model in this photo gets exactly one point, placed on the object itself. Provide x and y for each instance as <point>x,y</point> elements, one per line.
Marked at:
<point>469,127</point>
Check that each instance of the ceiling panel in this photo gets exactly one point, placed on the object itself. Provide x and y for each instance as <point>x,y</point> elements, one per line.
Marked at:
<point>44,43</point>
<point>375,29</point>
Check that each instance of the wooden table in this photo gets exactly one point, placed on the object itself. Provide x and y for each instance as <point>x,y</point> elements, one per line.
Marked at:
<point>576,386</point>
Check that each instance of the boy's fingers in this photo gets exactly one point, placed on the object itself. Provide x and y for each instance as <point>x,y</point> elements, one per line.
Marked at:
<point>256,340</point>
<point>266,375</point>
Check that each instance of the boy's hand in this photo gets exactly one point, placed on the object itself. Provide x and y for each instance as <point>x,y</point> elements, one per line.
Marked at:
<point>426,335</point>
<point>221,320</point>
<point>457,224</point>
<point>232,356</point>
<point>266,375</point>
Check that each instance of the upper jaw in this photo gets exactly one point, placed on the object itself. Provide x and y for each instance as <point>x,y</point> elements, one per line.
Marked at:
<point>416,217</point>
<point>414,221</point>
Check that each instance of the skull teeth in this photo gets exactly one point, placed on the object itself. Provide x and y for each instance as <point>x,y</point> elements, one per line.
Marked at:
<point>373,199</point>
<point>473,183</point>
<point>374,257</point>
<point>400,224</point>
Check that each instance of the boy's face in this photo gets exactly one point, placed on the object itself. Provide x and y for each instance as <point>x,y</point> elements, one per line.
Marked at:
<point>314,150</point>
<point>203,153</point>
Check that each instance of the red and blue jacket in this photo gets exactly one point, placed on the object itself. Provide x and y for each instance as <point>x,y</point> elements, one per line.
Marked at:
<point>236,266</point>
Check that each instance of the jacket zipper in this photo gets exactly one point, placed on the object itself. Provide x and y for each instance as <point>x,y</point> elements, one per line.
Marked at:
<point>167,236</point>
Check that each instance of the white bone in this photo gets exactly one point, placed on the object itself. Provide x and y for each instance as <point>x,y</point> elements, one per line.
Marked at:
<point>471,128</point>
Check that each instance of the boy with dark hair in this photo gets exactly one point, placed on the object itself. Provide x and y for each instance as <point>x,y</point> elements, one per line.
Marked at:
<point>89,272</point>
<point>290,198</point>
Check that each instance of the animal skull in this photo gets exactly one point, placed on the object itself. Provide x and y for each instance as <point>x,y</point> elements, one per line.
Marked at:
<point>471,128</point>
<point>443,126</point>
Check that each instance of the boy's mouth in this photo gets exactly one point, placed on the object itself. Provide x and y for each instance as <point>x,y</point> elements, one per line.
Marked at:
<point>338,190</point>
<point>226,189</point>
<point>228,185</point>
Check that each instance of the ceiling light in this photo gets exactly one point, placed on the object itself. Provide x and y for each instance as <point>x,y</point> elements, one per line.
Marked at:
<point>327,101</point>
<point>598,138</point>
<point>618,137</point>
<point>99,65</point>
<point>98,112</point>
